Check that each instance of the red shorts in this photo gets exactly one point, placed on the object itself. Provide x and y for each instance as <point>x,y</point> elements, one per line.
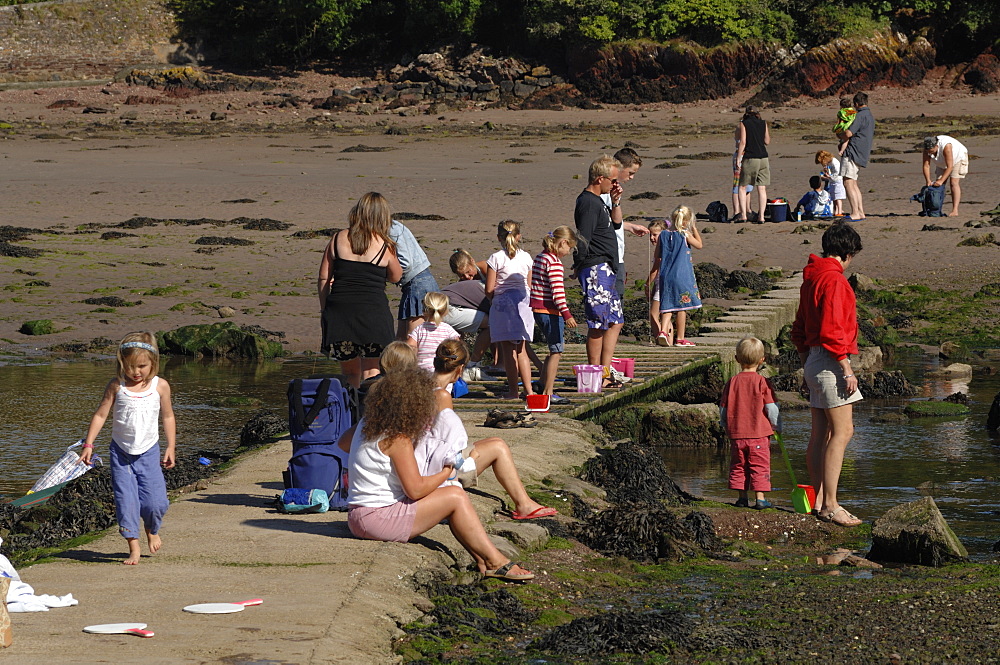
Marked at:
<point>750,465</point>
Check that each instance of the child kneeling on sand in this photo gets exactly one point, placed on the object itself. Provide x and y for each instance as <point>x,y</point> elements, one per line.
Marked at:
<point>750,416</point>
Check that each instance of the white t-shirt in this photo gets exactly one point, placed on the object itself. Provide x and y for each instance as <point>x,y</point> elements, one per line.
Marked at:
<point>136,426</point>
<point>959,152</point>
<point>834,171</point>
<point>619,232</point>
<point>441,444</point>
<point>374,483</point>
<point>512,273</point>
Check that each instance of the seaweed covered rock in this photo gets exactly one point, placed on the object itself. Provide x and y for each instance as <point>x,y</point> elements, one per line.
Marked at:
<point>916,533</point>
<point>618,631</point>
<point>84,505</point>
<point>459,608</point>
<point>885,384</point>
<point>217,340</point>
<point>261,428</point>
<point>747,281</point>
<point>707,391</point>
<point>630,473</point>
<point>668,424</point>
<point>649,533</point>
<point>711,280</point>
<point>993,418</point>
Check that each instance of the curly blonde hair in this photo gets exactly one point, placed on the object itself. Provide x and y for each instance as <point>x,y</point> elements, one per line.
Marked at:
<point>400,404</point>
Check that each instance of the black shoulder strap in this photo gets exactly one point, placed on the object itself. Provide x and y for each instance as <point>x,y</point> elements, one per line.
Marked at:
<point>303,419</point>
<point>381,253</point>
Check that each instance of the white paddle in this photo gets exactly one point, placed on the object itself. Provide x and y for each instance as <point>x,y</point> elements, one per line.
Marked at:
<point>221,608</point>
<point>119,629</point>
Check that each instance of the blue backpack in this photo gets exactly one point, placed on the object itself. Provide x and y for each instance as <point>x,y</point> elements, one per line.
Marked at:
<point>931,200</point>
<point>320,409</point>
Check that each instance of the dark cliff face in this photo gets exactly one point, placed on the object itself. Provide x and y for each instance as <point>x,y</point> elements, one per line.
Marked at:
<point>983,73</point>
<point>646,72</point>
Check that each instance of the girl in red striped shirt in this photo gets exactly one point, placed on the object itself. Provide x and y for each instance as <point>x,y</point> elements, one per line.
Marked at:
<point>548,301</point>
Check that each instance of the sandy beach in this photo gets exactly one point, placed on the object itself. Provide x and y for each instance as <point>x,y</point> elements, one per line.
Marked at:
<point>71,177</point>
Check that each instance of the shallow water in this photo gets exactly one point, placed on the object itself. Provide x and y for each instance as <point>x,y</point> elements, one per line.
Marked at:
<point>954,460</point>
<point>45,407</point>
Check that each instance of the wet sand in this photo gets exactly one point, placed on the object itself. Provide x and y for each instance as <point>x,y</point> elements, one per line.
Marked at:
<point>75,176</point>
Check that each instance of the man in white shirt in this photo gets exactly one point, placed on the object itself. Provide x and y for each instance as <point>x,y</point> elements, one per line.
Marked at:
<point>951,163</point>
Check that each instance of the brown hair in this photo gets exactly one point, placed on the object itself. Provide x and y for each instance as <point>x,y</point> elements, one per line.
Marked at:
<point>129,353</point>
<point>823,157</point>
<point>370,218</point>
<point>628,157</point>
<point>396,356</point>
<point>508,231</point>
<point>656,225</point>
<point>400,404</point>
<point>557,235</point>
<point>450,355</point>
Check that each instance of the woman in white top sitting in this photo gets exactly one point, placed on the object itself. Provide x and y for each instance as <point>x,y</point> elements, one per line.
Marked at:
<point>447,439</point>
<point>389,499</point>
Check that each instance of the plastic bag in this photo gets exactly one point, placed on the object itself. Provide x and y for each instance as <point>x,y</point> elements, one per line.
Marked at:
<point>65,469</point>
<point>296,500</point>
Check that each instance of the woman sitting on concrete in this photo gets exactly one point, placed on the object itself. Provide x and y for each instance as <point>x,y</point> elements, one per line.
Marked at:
<point>389,500</point>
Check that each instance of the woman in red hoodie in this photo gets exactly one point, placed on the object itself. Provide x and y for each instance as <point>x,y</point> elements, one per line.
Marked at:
<point>825,333</point>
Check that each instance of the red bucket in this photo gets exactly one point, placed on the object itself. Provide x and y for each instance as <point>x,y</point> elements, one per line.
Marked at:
<point>811,494</point>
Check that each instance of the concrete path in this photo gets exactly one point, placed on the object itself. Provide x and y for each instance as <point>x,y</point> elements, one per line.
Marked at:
<point>328,597</point>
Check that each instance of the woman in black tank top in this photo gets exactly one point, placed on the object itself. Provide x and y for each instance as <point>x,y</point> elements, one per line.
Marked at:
<point>753,138</point>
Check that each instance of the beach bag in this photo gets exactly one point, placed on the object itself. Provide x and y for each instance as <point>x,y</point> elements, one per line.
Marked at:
<point>717,212</point>
<point>320,409</point>
<point>65,469</point>
<point>931,200</point>
<point>589,378</point>
<point>319,467</point>
<point>459,388</point>
<point>296,500</point>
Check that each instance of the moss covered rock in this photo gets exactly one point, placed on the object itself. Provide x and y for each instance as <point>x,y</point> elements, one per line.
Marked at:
<point>218,340</point>
<point>668,424</point>
<point>916,533</point>
<point>38,327</point>
<point>934,408</point>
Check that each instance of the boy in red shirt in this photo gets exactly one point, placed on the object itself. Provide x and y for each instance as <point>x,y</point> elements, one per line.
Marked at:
<point>750,416</point>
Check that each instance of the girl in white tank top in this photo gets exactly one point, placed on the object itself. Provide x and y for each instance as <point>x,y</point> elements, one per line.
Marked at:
<point>138,400</point>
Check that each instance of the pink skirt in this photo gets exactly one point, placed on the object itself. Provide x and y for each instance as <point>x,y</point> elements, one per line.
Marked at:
<point>392,523</point>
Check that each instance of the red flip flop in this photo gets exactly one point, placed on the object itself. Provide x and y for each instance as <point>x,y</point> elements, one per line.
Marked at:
<point>538,512</point>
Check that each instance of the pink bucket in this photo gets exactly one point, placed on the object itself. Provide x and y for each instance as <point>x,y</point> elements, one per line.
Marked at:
<point>589,378</point>
<point>624,365</point>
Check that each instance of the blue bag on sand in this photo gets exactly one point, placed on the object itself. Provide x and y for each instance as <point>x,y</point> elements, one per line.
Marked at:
<point>322,467</point>
<point>296,500</point>
<point>931,200</point>
<point>320,409</point>
<point>460,388</point>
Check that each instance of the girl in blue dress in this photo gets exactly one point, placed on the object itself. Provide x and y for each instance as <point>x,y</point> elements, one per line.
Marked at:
<point>674,272</point>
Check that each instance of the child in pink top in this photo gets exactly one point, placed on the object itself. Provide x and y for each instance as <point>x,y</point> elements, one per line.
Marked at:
<point>425,338</point>
<point>750,416</point>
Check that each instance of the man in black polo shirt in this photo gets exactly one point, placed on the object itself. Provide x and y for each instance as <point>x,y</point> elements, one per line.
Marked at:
<point>595,261</point>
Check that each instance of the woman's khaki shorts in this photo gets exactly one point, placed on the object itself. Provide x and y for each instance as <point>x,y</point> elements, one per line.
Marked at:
<point>825,380</point>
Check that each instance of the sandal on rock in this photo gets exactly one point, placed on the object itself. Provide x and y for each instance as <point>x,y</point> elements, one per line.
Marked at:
<point>544,511</point>
<point>846,519</point>
<point>502,419</point>
<point>503,573</point>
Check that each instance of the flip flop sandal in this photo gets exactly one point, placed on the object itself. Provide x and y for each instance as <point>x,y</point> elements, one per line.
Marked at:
<point>848,520</point>
<point>503,573</point>
<point>528,421</point>
<point>544,511</point>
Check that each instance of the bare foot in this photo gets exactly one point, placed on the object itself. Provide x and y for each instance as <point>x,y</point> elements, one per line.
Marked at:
<point>154,542</point>
<point>133,552</point>
<point>953,214</point>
